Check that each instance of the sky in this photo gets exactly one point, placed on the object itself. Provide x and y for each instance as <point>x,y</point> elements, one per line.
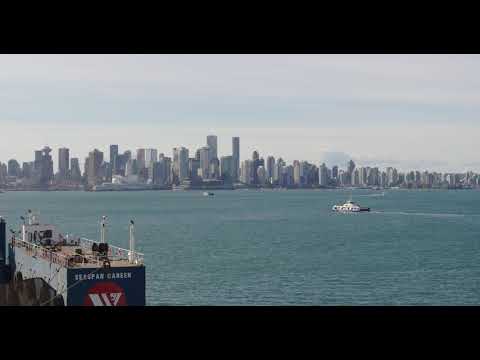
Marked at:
<point>407,111</point>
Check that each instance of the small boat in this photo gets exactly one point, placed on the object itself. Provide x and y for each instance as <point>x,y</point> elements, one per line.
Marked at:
<point>208,193</point>
<point>349,207</point>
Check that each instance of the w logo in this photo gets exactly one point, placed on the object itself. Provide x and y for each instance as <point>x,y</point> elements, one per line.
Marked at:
<point>105,299</point>
<point>105,294</point>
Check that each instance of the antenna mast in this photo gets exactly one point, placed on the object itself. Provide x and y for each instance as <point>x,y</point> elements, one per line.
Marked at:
<point>131,254</point>
<point>103,230</point>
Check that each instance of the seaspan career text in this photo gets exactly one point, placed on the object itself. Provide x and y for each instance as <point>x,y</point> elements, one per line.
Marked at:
<point>101,276</point>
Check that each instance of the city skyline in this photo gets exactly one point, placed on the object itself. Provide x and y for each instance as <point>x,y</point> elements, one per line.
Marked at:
<point>204,166</point>
<point>330,159</point>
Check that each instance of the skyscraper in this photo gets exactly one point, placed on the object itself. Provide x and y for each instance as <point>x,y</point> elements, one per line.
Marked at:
<point>75,173</point>
<point>277,171</point>
<point>113,158</point>
<point>270,167</point>
<point>141,158</point>
<point>212,144</point>
<point>335,172</point>
<point>27,168</point>
<point>63,162</point>
<point>287,172</point>
<point>236,157</point>
<point>296,172</point>
<point>256,163</point>
<point>214,170</point>
<point>247,172</point>
<point>205,161</point>
<point>13,168</point>
<point>43,166</point>
<point>351,166</point>
<point>193,166</point>
<point>180,162</point>
<point>323,175</point>
<point>150,157</point>
<point>160,172</point>
<point>95,160</point>
<point>131,167</point>
<point>261,175</point>
<point>168,168</point>
<point>3,173</point>
<point>226,168</point>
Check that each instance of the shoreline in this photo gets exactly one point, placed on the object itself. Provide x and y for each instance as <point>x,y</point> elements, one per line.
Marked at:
<point>4,191</point>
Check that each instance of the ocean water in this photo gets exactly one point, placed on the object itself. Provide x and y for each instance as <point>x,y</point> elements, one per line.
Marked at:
<point>250,247</point>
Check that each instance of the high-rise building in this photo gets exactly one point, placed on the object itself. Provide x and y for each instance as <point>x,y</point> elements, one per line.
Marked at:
<point>236,157</point>
<point>213,145</point>
<point>114,158</point>
<point>246,175</point>
<point>63,162</point>
<point>261,175</point>
<point>214,170</point>
<point>13,168</point>
<point>151,156</point>
<point>256,163</point>
<point>183,172</point>
<point>3,173</point>
<point>180,163</point>
<point>141,158</point>
<point>323,175</point>
<point>288,173</point>
<point>75,173</point>
<point>226,168</point>
<point>277,171</point>
<point>142,175</point>
<point>193,166</point>
<point>335,172</point>
<point>356,177</point>
<point>392,176</point>
<point>306,173</point>
<point>342,178</point>
<point>121,163</point>
<point>94,169</point>
<point>205,161</point>
<point>43,166</point>
<point>351,167</point>
<point>168,168</point>
<point>418,177</point>
<point>129,168</point>
<point>296,172</point>
<point>373,177</point>
<point>383,179</point>
<point>27,170</point>
<point>38,158</point>
<point>160,172</point>
<point>270,167</point>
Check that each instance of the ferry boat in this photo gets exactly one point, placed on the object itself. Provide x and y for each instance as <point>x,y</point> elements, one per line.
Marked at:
<point>73,271</point>
<point>205,193</point>
<point>350,207</point>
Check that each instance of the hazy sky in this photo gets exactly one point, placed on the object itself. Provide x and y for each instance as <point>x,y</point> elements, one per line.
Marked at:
<point>409,111</point>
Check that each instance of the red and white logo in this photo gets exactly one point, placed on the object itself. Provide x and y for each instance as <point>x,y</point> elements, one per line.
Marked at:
<point>105,294</point>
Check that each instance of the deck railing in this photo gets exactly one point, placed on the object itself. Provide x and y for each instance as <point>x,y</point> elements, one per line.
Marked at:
<point>42,252</point>
<point>114,252</point>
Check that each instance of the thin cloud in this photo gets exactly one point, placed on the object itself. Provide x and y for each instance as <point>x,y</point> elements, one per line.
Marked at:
<point>398,107</point>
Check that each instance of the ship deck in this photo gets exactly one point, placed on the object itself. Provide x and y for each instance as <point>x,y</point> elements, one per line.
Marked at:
<point>68,256</point>
<point>90,259</point>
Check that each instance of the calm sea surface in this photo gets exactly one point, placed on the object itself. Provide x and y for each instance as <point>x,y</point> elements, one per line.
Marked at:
<point>284,247</point>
